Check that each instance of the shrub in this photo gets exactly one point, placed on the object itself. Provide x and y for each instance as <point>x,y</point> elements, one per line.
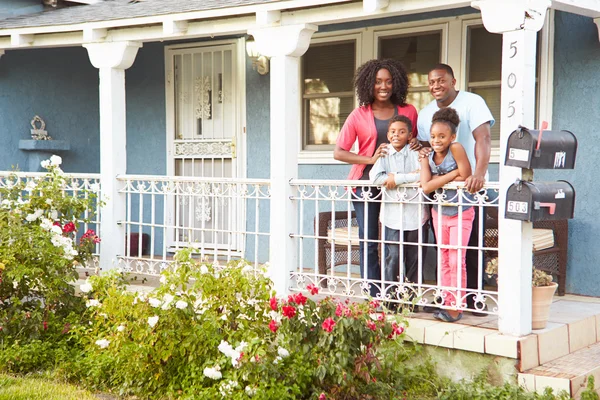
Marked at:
<point>216,332</point>
<point>37,251</point>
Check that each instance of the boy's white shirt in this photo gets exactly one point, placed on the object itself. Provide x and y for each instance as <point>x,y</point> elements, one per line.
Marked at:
<point>400,208</point>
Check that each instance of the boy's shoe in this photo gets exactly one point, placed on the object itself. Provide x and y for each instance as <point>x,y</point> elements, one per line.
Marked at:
<point>443,315</point>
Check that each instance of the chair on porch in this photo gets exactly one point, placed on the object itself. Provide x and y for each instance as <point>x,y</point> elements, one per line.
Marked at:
<point>550,245</point>
<point>549,254</point>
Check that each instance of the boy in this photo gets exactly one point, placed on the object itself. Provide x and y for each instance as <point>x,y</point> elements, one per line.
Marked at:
<point>400,165</point>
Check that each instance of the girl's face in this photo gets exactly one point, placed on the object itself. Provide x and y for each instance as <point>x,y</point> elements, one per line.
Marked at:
<point>441,137</point>
<point>383,85</point>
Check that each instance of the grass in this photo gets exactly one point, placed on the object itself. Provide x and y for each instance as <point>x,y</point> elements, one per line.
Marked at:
<point>37,388</point>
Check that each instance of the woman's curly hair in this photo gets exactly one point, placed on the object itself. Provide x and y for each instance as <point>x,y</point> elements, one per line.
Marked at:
<point>365,76</point>
<point>447,116</point>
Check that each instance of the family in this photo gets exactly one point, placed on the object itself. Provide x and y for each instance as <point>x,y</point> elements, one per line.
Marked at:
<point>447,141</point>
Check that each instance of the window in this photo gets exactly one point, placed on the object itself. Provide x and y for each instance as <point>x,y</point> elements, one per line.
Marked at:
<point>475,55</point>
<point>484,74</point>
<point>484,71</point>
<point>328,96</point>
<point>418,52</point>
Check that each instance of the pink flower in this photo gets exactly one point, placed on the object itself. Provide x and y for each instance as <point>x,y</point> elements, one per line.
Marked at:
<point>312,289</point>
<point>371,325</point>
<point>69,227</point>
<point>273,303</point>
<point>322,396</point>
<point>339,310</point>
<point>289,311</point>
<point>374,304</point>
<point>273,326</point>
<point>328,324</point>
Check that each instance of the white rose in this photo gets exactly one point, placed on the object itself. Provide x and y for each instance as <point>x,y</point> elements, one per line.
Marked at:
<point>45,164</point>
<point>213,373</point>
<point>152,321</point>
<point>154,302</point>
<point>168,299</point>
<point>282,352</point>
<point>103,343</point>
<point>55,160</point>
<point>57,230</point>
<point>204,269</point>
<point>86,287</point>
<point>181,304</point>
<point>92,303</point>
<point>121,328</point>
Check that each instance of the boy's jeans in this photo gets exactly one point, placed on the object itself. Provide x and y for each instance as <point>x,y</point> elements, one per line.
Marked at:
<point>411,254</point>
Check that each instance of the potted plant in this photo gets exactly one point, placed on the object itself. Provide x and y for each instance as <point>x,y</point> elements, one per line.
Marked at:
<point>543,290</point>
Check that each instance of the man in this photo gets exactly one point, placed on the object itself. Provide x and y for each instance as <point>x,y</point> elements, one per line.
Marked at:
<point>473,133</point>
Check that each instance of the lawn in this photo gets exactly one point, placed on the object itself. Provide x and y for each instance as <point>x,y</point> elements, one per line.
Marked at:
<point>37,388</point>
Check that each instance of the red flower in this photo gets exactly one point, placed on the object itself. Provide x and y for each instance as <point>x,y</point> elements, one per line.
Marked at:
<point>322,396</point>
<point>371,325</point>
<point>57,223</point>
<point>328,324</point>
<point>374,304</point>
<point>273,326</point>
<point>289,311</point>
<point>381,317</point>
<point>273,303</point>
<point>397,329</point>
<point>299,298</point>
<point>339,310</point>
<point>45,324</point>
<point>312,289</point>
<point>69,227</point>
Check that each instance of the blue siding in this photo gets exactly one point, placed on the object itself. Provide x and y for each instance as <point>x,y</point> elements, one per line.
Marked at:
<point>59,85</point>
<point>576,105</point>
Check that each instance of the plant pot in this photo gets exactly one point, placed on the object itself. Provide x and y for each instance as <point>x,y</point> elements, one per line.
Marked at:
<point>541,299</point>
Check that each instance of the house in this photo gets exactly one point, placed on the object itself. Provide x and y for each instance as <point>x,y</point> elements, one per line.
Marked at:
<point>179,88</point>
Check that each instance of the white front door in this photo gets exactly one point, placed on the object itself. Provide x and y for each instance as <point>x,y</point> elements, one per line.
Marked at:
<point>205,108</point>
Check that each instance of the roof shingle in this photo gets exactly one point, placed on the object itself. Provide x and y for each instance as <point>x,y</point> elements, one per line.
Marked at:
<point>119,9</point>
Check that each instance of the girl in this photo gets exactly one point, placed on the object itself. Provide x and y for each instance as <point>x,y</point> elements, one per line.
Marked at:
<point>446,163</point>
<point>381,87</point>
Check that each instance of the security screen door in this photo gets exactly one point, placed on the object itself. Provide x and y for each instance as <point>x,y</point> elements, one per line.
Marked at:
<point>205,124</point>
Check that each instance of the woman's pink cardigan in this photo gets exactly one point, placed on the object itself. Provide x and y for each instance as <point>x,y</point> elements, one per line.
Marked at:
<point>361,124</point>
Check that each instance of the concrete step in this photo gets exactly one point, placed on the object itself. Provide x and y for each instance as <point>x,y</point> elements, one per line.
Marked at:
<point>569,373</point>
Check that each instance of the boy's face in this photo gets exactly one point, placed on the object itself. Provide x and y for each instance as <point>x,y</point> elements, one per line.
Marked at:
<point>398,135</point>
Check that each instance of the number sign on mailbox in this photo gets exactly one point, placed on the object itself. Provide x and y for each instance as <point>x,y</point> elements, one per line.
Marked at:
<point>533,149</point>
<point>540,201</point>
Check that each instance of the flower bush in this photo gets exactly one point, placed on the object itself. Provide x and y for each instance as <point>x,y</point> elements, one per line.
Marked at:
<point>218,332</point>
<point>37,250</point>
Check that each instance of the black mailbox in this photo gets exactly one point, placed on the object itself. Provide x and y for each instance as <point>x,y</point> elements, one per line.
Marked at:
<point>550,150</point>
<point>540,201</point>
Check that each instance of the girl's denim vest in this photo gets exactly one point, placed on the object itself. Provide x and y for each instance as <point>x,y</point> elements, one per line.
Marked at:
<point>449,195</point>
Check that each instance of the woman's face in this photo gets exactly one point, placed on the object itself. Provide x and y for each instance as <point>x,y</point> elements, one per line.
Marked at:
<point>383,85</point>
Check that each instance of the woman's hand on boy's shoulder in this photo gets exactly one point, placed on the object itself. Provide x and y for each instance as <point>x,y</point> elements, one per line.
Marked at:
<point>381,151</point>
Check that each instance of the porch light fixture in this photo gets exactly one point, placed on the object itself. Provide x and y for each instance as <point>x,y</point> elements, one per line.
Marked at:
<point>260,63</point>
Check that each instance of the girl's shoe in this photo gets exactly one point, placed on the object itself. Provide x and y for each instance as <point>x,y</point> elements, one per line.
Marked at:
<point>443,315</point>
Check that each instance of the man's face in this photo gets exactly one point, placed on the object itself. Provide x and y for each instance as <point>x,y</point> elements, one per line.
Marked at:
<point>441,86</point>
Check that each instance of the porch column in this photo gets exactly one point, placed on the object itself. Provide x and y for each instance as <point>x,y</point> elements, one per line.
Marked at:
<point>285,45</point>
<point>112,59</point>
<point>518,21</point>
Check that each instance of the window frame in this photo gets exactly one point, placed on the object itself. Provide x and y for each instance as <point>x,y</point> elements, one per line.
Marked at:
<point>453,52</point>
<point>310,155</point>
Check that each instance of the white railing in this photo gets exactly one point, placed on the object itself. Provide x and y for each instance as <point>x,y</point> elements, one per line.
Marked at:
<point>222,219</point>
<point>328,244</point>
<point>76,185</point>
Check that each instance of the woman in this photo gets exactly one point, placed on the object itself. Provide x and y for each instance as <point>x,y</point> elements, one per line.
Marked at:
<point>381,87</point>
